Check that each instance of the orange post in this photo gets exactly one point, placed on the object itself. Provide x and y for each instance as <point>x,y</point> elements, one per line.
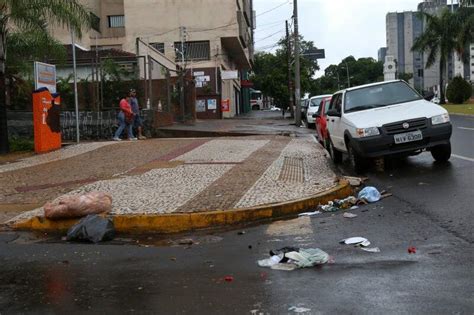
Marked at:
<point>47,128</point>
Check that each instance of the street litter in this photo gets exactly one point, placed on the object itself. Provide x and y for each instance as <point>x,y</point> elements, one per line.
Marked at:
<point>338,204</point>
<point>94,202</point>
<point>92,228</point>
<point>228,278</point>
<point>349,215</point>
<point>299,309</point>
<point>354,207</point>
<point>290,258</point>
<point>371,249</point>
<point>359,241</point>
<point>369,194</point>
<point>355,181</point>
<point>309,213</point>
<point>411,250</point>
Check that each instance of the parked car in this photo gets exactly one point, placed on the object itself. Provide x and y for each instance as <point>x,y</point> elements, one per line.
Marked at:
<point>386,118</point>
<point>312,108</point>
<point>321,124</point>
<point>274,108</point>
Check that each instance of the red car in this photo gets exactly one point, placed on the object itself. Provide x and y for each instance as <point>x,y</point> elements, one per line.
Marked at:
<point>321,121</point>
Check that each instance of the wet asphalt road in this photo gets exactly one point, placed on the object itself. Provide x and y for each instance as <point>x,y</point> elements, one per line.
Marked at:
<point>431,209</point>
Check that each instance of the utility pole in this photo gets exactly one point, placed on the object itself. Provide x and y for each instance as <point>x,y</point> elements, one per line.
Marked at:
<point>182,32</point>
<point>348,78</point>
<point>297,67</point>
<point>288,53</point>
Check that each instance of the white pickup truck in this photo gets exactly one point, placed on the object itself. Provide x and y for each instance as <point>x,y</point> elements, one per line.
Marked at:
<point>385,118</point>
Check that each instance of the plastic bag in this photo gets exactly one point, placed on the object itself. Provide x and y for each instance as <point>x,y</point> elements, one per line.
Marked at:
<point>92,228</point>
<point>369,193</point>
<point>94,202</point>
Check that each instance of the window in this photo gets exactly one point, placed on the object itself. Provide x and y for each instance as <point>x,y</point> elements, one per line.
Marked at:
<point>116,21</point>
<point>420,72</point>
<point>95,22</point>
<point>159,46</point>
<point>198,50</point>
<point>336,103</point>
<point>379,95</point>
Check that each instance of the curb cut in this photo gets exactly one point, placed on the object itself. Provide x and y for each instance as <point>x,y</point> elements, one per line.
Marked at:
<point>188,222</point>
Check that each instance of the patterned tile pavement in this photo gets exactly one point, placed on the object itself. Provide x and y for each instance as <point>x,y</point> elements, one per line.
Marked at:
<point>182,175</point>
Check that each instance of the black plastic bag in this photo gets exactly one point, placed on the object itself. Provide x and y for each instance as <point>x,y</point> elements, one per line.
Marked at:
<point>92,228</point>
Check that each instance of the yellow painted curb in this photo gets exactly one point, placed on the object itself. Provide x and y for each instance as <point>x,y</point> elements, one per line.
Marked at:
<point>181,222</point>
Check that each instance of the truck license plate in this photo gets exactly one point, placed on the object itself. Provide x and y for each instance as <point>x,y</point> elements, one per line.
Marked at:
<point>408,137</point>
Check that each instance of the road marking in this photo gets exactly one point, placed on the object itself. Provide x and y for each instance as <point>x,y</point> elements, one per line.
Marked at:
<point>466,128</point>
<point>462,157</point>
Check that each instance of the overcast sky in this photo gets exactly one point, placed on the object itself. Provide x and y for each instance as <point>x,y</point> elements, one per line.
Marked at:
<point>341,27</point>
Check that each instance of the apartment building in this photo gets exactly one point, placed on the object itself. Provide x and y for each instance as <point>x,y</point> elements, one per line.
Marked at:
<point>211,39</point>
<point>402,29</point>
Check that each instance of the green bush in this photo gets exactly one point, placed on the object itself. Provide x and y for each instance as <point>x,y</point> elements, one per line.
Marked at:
<point>459,90</point>
<point>21,144</point>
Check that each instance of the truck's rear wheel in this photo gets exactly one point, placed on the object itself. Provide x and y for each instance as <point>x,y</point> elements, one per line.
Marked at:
<point>442,152</point>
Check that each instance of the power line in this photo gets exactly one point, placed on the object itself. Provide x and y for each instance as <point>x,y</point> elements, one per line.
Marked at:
<point>260,39</point>
<point>278,6</point>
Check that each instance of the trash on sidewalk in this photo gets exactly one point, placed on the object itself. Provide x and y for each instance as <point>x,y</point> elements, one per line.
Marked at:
<point>309,214</point>
<point>411,250</point>
<point>355,181</point>
<point>359,241</point>
<point>228,278</point>
<point>290,258</point>
<point>369,194</point>
<point>94,202</point>
<point>92,228</point>
<point>349,215</point>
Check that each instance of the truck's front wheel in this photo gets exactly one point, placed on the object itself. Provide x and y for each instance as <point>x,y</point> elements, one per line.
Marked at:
<point>357,162</point>
<point>442,152</point>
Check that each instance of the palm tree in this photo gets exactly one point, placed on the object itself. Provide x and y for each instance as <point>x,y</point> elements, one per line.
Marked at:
<point>33,17</point>
<point>440,38</point>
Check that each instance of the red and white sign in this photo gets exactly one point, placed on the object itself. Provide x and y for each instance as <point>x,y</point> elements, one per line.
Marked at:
<point>225,105</point>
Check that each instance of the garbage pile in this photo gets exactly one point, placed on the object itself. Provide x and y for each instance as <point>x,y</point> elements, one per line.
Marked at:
<point>92,228</point>
<point>77,206</point>
<point>367,195</point>
<point>290,258</point>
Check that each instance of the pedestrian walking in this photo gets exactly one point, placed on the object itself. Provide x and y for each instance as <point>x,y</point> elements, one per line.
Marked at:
<point>125,118</point>
<point>137,119</point>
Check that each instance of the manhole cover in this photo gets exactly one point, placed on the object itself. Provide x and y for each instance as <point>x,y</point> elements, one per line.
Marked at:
<point>292,170</point>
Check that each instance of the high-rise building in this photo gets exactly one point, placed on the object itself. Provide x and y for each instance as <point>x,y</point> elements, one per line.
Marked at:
<point>382,53</point>
<point>402,29</point>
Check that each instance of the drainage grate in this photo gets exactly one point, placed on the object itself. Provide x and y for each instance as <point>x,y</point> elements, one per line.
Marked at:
<point>292,170</point>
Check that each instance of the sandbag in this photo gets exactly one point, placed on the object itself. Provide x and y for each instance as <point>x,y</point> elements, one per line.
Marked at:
<point>94,202</point>
<point>92,228</point>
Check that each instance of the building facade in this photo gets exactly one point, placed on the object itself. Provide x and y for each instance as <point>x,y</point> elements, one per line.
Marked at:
<point>402,29</point>
<point>216,49</point>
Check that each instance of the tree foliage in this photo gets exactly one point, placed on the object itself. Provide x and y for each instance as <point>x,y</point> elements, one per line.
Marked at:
<point>361,71</point>
<point>270,72</point>
<point>459,90</point>
<point>29,20</point>
<point>445,33</point>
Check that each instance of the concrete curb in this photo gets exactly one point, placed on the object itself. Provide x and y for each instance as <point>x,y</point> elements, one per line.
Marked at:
<point>186,222</point>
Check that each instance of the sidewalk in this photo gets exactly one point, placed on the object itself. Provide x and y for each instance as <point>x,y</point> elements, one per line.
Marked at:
<point>168,184</point>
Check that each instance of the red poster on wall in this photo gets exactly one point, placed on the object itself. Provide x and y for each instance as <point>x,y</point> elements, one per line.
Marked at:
<point>225,105</point>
